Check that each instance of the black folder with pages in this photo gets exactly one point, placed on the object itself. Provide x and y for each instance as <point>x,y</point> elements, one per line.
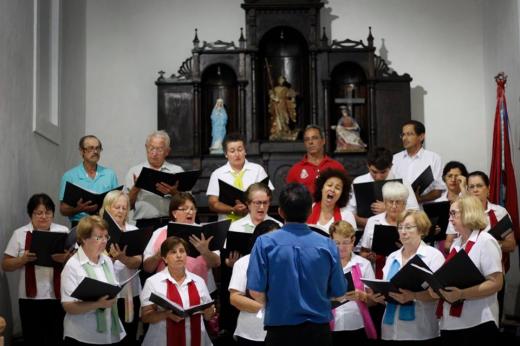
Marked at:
<point>149,178</point>
<point>458,272</point>
<point>502,229</point>
<point>368,193</point>
<point>90,289</point>
<point>385,240</point>
<point>424,180</point>
<point>177,309</point>
<point>73,193</point>
<point>228,194</point>
<point>45,244</point>
<point>217,229</point>
<point>134,241</point>
<point>439,214</point>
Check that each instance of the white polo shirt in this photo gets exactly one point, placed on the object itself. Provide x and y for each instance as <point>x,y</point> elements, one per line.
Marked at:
<point>409,168</point>
<point>348,316</point>
<point>123,272</point>
<point>425,326</point>
<point>368,233</point>
<point>411,202</point>
<point>249,325</point>
<point>254,173</point>
<point>149,205</point>
<point>487,256</point>
<point>82,327</point>
<point>156,334</point>
<point>44,275</point>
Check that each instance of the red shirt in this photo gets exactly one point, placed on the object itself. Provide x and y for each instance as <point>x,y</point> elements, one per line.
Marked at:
<point>305,172</point>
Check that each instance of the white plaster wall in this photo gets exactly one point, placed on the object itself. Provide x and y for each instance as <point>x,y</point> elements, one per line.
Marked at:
<point>30,163</point>
<point>128,42</point>
<point>439,43</point>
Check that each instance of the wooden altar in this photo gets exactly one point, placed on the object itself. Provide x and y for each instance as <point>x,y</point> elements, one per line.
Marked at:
<point>282,37</point>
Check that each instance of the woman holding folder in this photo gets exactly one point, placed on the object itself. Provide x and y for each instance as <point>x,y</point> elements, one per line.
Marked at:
<point>182,287</point>
<point>38,286</point>
<point>331,196</point>
<point>352,322</point>
<point>395,195</point>
<point>90,322</point>
<point>413,318</point>
<point>250,326</point>
<point>183,210</point>
<point>116,204</point>
<point>470,316</point>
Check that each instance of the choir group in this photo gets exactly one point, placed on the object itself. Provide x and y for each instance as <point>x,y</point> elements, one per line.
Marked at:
<point>253,299</point>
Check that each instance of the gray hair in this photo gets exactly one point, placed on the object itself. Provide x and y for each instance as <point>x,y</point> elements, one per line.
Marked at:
<point>160,134</point>
<point>395,191</point>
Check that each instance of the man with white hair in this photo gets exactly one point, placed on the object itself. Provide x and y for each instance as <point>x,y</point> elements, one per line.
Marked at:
<point>151,210</point>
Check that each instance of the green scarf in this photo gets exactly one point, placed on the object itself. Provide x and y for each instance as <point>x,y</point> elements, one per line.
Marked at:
<point>100,313</point>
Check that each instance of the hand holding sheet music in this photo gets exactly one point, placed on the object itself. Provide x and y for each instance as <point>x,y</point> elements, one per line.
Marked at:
<point>89,201</point>
<point>218,230</point>
<point>449,275</point>
<point>132,242</point>
<point>90,290</point>
<point>423,181</point>
<point>177,309</point>
<point>161,183</point>
<point>502,229</point>
<point>45,244</point>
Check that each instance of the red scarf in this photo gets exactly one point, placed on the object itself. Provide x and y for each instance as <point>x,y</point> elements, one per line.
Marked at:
<point>175,331</point>
<point>505,255</point>
<point>30,274</point>
<point>456,307</point>
<point>316,211</point>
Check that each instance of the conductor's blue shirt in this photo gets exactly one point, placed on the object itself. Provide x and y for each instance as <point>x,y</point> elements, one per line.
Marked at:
<point>299,271</point>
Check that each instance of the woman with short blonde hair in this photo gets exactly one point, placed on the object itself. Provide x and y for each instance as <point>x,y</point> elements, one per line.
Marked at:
<point>470,315</point>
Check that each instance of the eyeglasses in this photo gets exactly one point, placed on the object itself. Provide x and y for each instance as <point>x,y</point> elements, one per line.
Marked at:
<point>406,228</point>
<point>454,212</point>
<point>101,237</point>
<point>344,242</point>
<point>475,186</point>
<point>187,209</point>
<point>40,213</point>
<point>260,203</point>
<point>155,149</point>
<point>93,149</point>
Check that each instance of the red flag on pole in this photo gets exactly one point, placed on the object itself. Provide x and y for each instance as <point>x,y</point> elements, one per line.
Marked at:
<point>502,178</point>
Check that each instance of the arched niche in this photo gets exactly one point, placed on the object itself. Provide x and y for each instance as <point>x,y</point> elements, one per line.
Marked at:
<point>348,91</point>
<point>283,51</point>
<point>218,81</point>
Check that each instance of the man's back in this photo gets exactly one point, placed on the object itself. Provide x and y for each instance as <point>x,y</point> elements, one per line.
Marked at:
<point>300,271</point>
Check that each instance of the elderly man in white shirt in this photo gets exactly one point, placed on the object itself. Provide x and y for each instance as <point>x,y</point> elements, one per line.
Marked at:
<point>411,162</point>
<point>151,210</point>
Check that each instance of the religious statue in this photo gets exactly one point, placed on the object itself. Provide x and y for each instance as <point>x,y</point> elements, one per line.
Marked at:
<point>219,120</point>
<point>348,138</point>
<point>282,109</point>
